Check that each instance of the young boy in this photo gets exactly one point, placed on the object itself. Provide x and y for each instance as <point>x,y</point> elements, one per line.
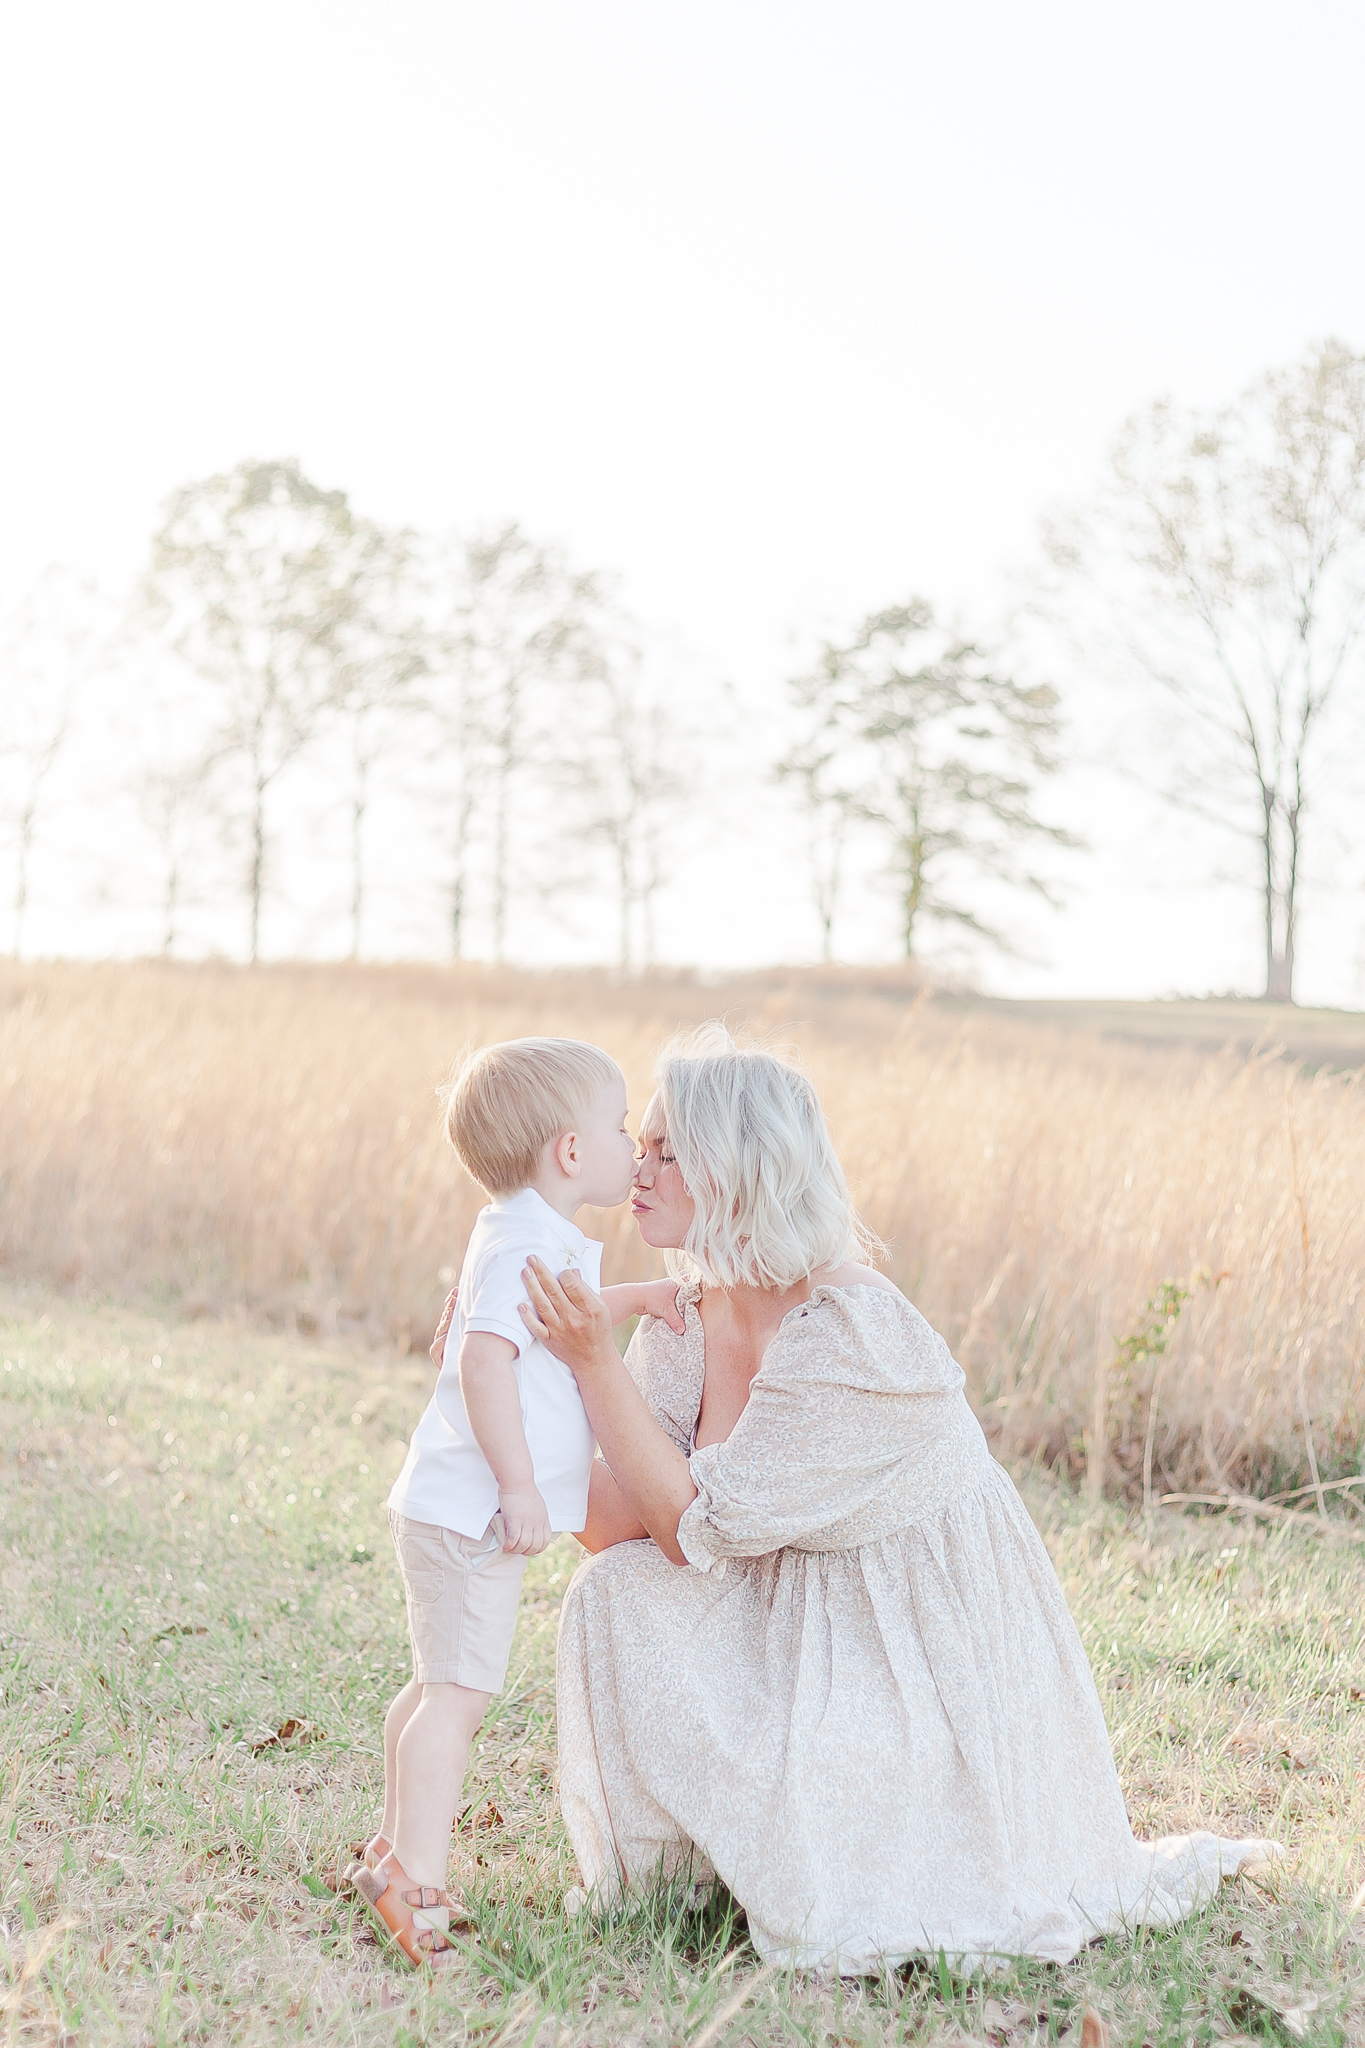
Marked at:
<point>501,1457</point>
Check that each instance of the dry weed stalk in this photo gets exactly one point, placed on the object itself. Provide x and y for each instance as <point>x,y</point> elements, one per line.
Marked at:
<point>26,2005</point>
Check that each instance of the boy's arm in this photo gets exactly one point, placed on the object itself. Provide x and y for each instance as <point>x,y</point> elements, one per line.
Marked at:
<point>645,1298</point>
<point>492,1401</point>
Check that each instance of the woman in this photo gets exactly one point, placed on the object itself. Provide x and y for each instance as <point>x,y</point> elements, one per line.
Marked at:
<point>821,1650</point>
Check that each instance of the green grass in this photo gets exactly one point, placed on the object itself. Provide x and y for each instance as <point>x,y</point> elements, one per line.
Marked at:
<point>200,1627</point>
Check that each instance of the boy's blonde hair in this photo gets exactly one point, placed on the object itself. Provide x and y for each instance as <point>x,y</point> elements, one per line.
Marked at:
<point>747,1130</point>
<point>508,1101</point>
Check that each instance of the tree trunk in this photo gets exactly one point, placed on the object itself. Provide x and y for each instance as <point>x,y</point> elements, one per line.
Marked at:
<point>456,916</point>
<point>359,800</point>
<point>257,867</point>
<point>624,895</point>
<point>913,894</point>
<point>168,907</point>
<point>1291,893</point>
<point>463,816</point>
<point>647,923</point>
<point>500,871</point>
<point>21,881</point>
<point>1280,905</point>
<point>1268,885</point>
<point>506,763</point>
<point>913,883</point>
<point>825,866</point>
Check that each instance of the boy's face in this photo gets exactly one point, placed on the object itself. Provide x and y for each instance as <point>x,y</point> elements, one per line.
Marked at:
<point>605,1150</point>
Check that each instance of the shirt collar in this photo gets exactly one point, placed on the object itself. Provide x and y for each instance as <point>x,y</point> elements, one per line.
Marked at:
<point>530,1202</point>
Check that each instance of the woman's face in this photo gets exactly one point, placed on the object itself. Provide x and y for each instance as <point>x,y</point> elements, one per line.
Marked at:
<point>659,1202</point>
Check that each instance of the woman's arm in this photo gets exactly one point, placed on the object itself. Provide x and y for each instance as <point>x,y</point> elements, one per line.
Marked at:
<point>651,1473</point>
<point>611,1518</point>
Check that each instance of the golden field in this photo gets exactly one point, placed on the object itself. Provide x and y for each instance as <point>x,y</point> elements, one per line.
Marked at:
<point>267,1142</point>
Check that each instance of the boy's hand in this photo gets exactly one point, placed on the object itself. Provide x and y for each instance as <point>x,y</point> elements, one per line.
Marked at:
<point>525,1520</point>
<point>642,1298</point>
<point>660,1298</point>
<point>438,1342</point>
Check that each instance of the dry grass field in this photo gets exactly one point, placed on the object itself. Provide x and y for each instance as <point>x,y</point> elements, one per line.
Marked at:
<point>1142,1233</point>
<point>199,1627</point>
<point>226,1220</point>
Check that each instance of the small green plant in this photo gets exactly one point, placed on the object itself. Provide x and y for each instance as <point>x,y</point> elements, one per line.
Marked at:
<point>1136,1372</point>
<point>1156,1323</point>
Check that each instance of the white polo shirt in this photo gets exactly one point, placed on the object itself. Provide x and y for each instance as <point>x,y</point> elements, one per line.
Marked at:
<point>446,1479</point>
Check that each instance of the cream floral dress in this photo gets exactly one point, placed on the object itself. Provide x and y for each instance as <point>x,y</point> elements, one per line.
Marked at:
<point>865,1704</point>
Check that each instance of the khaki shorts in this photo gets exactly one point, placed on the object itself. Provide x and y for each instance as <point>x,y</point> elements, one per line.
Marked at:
<point>462,1602</point>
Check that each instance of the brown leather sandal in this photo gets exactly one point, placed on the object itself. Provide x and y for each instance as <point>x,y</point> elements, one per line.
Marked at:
<point>369,1854</point>
<point>418,1917</point>
<point>362,1856</point>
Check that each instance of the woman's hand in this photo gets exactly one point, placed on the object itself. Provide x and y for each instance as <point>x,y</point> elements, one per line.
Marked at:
<point>438,1342</point>
<point>650,1473</point>
<point>567,1317</point>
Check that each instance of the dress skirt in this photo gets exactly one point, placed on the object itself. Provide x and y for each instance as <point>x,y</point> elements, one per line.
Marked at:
<point>884,1748</point>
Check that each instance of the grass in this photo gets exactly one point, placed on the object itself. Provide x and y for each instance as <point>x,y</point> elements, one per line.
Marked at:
<point>201,1626</point>
<point>1332,1038</point>
<point>219,1139</point>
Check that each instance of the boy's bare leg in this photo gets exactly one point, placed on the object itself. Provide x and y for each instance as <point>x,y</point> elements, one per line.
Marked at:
<point>405,1705</point>
<point>431,1752</point>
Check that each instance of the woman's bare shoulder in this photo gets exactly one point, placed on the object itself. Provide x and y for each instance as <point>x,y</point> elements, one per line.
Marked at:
<point>851,1274</point>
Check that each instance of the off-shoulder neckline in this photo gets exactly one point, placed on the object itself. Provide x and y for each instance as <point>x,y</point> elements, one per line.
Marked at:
<point>691,1292</point>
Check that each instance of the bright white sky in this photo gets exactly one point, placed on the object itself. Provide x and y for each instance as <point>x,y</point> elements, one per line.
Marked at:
<point>782,310</point>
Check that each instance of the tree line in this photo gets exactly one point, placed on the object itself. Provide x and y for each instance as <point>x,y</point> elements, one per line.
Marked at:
<point>513,673</point>
<point>275,624</point>
<point>1215,584</point>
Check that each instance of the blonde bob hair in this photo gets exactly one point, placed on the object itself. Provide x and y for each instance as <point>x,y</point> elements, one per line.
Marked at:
<point>747,1130</point>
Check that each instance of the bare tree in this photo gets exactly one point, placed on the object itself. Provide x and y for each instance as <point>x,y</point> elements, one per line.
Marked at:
<point>811,768</point>
<point>453,690</point>
<point>1225,561</point>
<point>254,575</point>
<point>48,649</point>
<point>918,742</point>
<point>173,799</point>
<point>530,624</point>
<point>172,774</point>
<point>513,623</point>
<point>381,653</point>
<point>625,774</point>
